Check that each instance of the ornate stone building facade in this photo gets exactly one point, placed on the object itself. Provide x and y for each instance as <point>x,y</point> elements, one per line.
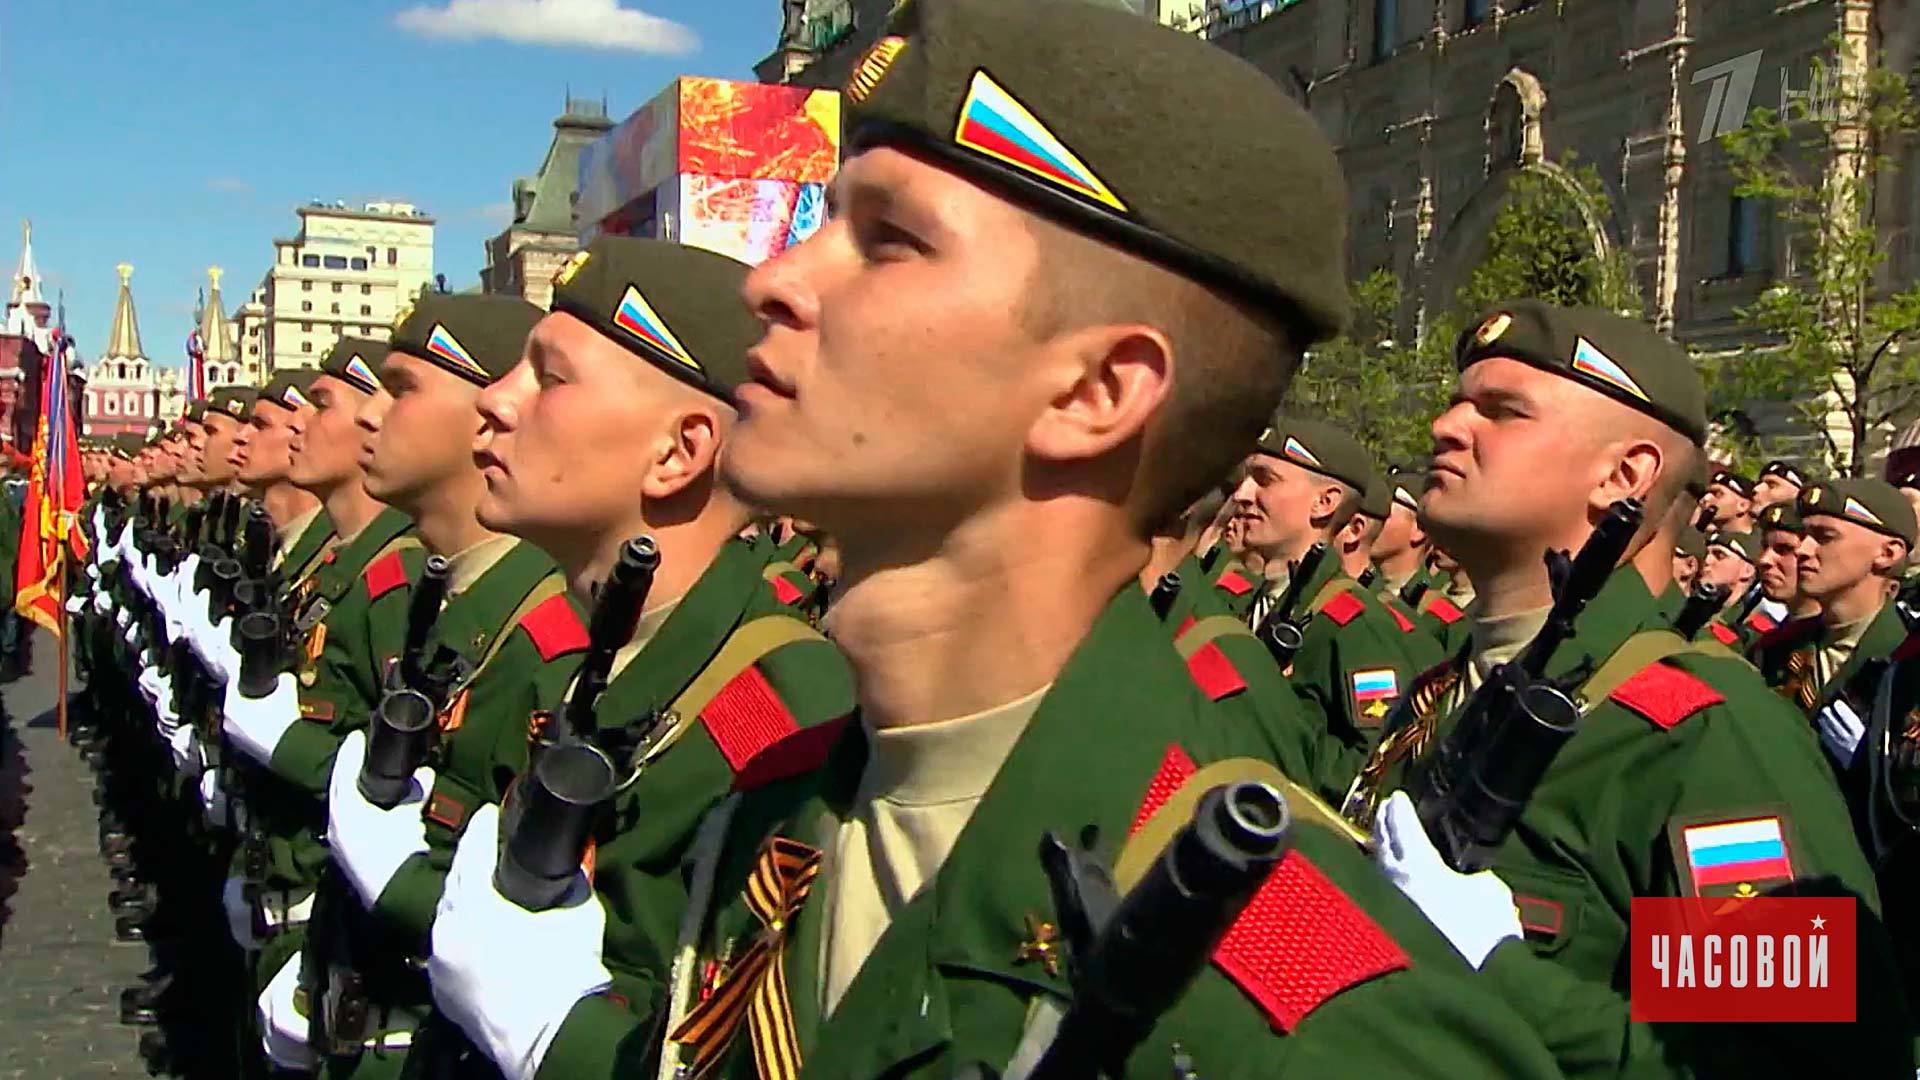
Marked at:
<point>126,392</point>
<point>524,257</point>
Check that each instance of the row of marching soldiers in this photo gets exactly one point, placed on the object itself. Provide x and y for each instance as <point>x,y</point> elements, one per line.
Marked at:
<point>484,733</point>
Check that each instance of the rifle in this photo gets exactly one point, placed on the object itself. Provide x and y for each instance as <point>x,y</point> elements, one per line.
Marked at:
<point>550,813</point>
<point>1743,608</point>
<point>402,725</point>
<point>1368,577</point>
<point>1130,958</point>
<point>1284,631</point>
<point>1703,518</point>
<point>1701,606</point>
<point>1471,791</point>
<point>1164,592</point>
<point>1413,592</point>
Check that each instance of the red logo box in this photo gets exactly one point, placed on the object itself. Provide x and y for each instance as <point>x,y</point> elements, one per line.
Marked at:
<point>1738,959</point>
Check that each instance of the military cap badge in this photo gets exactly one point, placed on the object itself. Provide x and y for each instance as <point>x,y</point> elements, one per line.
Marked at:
<point>1298,451</point>
<point>1857,510</point>
<point>1492,328</point>
<point>567,272</point>
<point>1589,360</point>
<point>873,67</point>
<point>359,369</point>
<point>994,123</point>
<point>442,343</point>
<point>637,317</point>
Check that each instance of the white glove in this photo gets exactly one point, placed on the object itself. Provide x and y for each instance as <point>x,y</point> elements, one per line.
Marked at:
<point>220,805</point>
<point>102,602</point>
<point>233,900</point>
<point>215,649</point>
<point>123,618</point>
<point>256,727</point>
<point>370,843</point>
<point>76,604</point>
<point>184,744</point>
<point>506,975</point>
<point>128,631</point>
<point>283,1030</point>
<point>123,545</point>
<point>1474,911</point>
<point>1841,730</point>
<point>154,686</point>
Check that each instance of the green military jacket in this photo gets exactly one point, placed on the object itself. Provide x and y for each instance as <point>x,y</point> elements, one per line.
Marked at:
<point>1439,617</point>
<point>945,987</point>
<point>1234,670</point>
<point>1421,644</point>
<point>519,633</point>
<point>764,675</point>
<point>1686,742</point>
<point>307,551</point>
<point>1739,636</point>
<point>1353,664</point>
<point>1787,652</point>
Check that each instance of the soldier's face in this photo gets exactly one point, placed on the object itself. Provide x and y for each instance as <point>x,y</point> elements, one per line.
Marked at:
<point>1685,569</point>
<point>1780,566</point>
<point>263,452</point>
<point>582,435</point>
<point>1724,567</point>
<point>418,431</point>
<point>1276,502</point>
<point>1727,503</point>
<point>1772,489</point>
<point>192,442</point>
<point>325,444</point>
<point>1506,473</point>
<point>1836,555</point>
<point>216,452</point>
<point>1400,534</point>
<point>896,384</point>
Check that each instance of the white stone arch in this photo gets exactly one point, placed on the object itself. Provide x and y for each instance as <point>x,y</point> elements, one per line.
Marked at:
<point>1515,137</point>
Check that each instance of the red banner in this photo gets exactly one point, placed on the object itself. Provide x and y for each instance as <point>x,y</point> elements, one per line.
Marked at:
<point>55,491</point>
<point>1744,959</point>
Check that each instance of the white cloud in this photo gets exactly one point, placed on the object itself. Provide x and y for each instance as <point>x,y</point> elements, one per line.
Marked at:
<point>590,24</point>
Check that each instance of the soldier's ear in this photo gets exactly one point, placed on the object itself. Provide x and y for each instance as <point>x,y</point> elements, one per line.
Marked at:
<point>1892,556</point>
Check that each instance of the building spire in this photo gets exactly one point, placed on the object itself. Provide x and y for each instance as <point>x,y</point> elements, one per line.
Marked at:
<point>216,336</point>
<point>26,280</point>
<point>123,341</point>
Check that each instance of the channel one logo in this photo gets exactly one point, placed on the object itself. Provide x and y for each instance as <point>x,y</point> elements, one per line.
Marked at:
<point>1730,93</point>
<point>1741,959</point>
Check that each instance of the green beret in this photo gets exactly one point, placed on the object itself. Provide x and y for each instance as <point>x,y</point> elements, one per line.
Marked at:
<point>1874,503</point>
<point>289,388</point>
<point>678,307</point>
<point>196,412</point>
<point>233,401</point>
<point>1744,544</point>
<point>1781,517</point>
<point>1623,358</point>
<point>1151,140</point>
<point>1319,447</point>
<point>356,362</point>
<point>1733,481</point>
<point>476,336</point>
<point>126,445</point>
<point>1690,543</point>
<point>1407,486</point>
<point>1376,498</point>
<point>1785,470</point>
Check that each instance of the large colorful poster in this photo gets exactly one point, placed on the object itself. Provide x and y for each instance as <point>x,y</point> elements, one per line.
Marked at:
<point>751,220</point>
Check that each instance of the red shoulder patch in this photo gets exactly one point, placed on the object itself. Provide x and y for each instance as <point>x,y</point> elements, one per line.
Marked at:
<point>1723,632</point>
<point>746,717</point>
<point>1185,626</point>
<point>1214,673</point>
<point>385,575</point>
<point>786,591</point>
<point>799,753</point>
<point>1343,608</point>
<point>1235,583</point>
<point>1405,624</point>
<point>1444,610</point>
<point>1301,941</point>
<point>1761,622</point>
<point>1907,650</point>
<point>1174,769</point>
<point>1665,695</point>
<point>555,628</point>
<point>1787,632</point>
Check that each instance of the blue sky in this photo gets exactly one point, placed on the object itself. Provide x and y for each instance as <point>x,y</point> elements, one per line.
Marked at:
<point>175,135</point>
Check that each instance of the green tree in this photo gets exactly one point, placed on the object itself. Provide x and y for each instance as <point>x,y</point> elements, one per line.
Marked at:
<point>1384,390</point>
<point>1841,334</point>
<point>1540,246</point>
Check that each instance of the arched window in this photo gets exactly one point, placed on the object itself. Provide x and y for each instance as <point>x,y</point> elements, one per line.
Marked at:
<point>121,371</point>
<point>113,406</point>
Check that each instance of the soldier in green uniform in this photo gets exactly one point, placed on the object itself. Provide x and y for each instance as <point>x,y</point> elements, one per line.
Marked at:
<point>993,465</point>
<point>612,427</point>
<point>1780,483</point>
<point>1683,562</point>
<point>512,637</point>
<point>1728,502</point>
<point>1303,485</point>
<point>1355,542</point>
<point>1732,563</point>
<point>1674,740</point>
<point>1779,563</point>
<point>228,412</point>
<point>264,450</point>
<point>1858,535</point>
<point>1401,550</point>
